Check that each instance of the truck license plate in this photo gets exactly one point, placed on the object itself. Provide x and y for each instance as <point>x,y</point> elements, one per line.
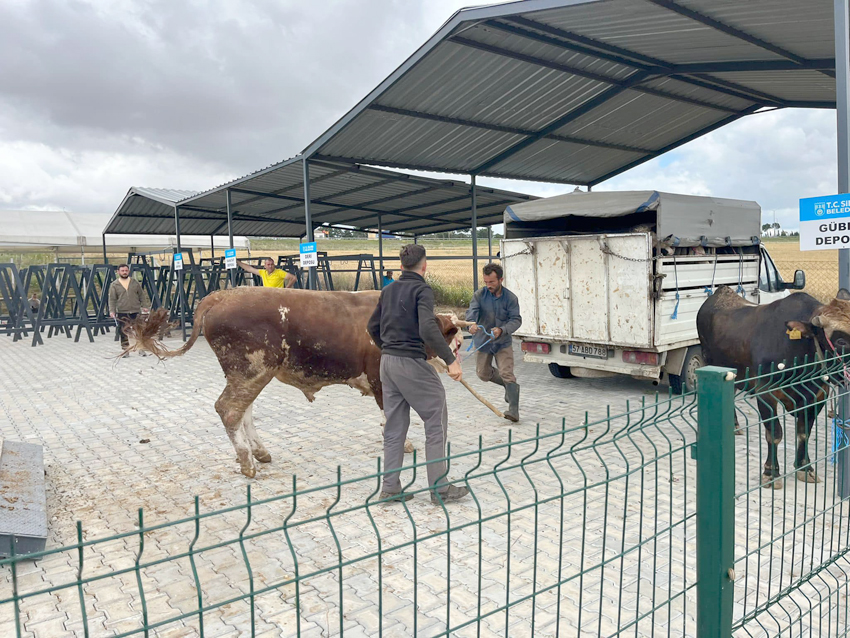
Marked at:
<point>589,350</point>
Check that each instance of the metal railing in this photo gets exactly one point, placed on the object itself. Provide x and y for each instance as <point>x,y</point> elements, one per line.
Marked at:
<point>630,525</point>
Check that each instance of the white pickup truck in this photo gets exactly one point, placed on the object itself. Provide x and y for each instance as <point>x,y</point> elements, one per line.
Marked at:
<point>611,282</point>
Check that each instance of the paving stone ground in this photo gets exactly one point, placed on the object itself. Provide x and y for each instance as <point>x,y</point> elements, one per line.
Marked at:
<point>608,549</point>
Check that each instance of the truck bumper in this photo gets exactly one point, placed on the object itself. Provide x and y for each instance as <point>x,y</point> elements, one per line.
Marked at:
<point>614,363</point>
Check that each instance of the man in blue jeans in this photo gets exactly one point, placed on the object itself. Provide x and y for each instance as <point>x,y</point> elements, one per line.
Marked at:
<point>496,309</point>
<point>402,325</point>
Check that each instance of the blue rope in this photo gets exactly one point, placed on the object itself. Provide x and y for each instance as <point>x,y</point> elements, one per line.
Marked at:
<point>741,290</point>
<point>840,439</point>
<point>675,314</point>
<point>489,333</point>
<point>709,290</point>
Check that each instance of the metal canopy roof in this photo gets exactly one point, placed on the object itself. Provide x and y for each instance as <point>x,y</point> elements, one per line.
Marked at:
<point>270,203</point>
<point>577,91</point>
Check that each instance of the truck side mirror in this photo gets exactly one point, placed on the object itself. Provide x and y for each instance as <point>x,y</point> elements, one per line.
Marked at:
<point>799,280</point>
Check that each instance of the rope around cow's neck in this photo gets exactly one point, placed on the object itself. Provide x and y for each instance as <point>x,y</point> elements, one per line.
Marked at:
<point>840,357</point>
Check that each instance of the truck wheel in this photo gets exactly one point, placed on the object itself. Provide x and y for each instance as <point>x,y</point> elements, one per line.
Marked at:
<point>559,371</point>
<point>687,381</point>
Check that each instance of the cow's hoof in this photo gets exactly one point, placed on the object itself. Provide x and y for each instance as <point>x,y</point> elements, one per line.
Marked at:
<point>808,476</point>
<point>250,472</point>
<point>768,481</point>
<point>408,447</point>
<point>263,457</point>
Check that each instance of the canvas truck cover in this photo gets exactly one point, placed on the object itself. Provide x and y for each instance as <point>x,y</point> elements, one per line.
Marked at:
<point>680,220</point>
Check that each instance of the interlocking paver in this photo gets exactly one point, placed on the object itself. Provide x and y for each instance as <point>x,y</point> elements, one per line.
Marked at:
<point>91,415</point>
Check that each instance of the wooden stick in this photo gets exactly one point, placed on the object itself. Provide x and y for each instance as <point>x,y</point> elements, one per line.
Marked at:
<point>440,366</point>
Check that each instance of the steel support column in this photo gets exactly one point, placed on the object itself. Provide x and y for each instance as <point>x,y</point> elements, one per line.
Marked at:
<point>842,91</point>
<point>308,221</point>
<point>179,275</point>
<point>232,273</point>
<point>416,239</point>
<point>474,234</point>
<point>490,244</point>
<point>212,247</point>
<point>105,258</point>
<point>380,252</point>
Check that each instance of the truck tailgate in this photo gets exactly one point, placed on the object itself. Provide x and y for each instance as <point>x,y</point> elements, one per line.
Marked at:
<point>589,288</point>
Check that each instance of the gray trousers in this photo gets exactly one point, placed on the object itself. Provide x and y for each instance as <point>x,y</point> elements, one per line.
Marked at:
<point>412,383</point>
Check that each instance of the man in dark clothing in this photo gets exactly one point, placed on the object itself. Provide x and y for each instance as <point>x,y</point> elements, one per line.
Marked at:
<point>402,325</point>
<point>496,309</point>
<point>126,301</point>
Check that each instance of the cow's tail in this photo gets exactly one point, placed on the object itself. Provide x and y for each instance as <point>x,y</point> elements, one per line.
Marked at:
<point>146,334</point>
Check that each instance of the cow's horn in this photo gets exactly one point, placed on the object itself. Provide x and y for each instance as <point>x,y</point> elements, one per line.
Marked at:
<point>817,321</point>
<point>460,323</point>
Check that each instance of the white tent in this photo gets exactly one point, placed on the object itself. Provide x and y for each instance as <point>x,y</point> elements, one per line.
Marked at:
<point>61,232</point>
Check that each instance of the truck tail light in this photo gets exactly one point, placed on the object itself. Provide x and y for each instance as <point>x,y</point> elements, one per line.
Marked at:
<point>535,347</point>
<point>636,356</point>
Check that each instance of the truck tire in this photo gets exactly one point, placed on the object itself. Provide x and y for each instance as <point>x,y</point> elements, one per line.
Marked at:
<point>559,371</point>
<point>686,382</point>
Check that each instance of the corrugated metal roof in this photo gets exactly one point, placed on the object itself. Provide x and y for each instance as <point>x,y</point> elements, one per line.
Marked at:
<point>269,202</point>
<point>577,91</point>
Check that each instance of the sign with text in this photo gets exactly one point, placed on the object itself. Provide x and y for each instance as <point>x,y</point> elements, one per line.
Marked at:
<point>178,261</point>
<point>309,255</point>
<point>825,222</point>
<point>230,258</point>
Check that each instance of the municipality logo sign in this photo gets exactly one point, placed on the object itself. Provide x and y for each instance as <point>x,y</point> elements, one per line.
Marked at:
<point>820,210</point>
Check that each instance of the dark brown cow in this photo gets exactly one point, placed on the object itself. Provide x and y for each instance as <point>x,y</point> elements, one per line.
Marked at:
<point>303,338</point>
<point>737,334</point>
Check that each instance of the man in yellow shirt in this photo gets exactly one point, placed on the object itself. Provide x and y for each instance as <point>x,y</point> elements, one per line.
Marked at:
<point>272,277</point>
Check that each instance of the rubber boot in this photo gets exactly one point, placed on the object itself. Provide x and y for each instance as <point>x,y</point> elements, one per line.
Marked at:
<point>512,393</point>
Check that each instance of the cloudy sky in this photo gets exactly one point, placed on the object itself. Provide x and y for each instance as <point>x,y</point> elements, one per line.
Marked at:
<point>100,95</point>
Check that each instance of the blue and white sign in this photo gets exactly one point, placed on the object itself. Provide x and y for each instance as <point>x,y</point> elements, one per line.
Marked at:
<point>309,254</point>
<point>178,261</point>
<point>230,258</point>
<point>825,222</point>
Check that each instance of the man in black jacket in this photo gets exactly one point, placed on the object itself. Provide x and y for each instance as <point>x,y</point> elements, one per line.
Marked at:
<point>402,325</point>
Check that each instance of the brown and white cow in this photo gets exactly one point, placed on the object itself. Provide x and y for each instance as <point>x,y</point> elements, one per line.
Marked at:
<point>305,339</point>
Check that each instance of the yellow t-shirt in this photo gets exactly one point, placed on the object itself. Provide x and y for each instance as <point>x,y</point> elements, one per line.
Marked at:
<point>274,280</point>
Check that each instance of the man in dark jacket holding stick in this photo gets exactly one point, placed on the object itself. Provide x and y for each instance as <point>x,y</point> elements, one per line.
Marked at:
<point>402,325</point>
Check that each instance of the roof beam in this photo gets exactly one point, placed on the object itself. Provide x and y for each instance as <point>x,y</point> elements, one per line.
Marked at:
<point>558,123</point>
<point>502,129</point>
<point>628,83</point>
<point>734,32</point>
<point>340,194</point>
<point>298,185</point>
<point>439,218</point>
<point>565,40</point>
<point>676,144</point>
<point>437,169</point>
<point>487,219</point>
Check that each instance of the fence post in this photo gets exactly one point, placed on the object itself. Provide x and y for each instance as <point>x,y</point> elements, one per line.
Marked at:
<point>715,501</point>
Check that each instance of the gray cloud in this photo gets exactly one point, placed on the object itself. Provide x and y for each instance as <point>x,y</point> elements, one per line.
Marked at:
<point>99,95</point>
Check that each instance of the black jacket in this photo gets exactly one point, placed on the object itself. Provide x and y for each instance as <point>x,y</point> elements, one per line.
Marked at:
<point>404,321</point>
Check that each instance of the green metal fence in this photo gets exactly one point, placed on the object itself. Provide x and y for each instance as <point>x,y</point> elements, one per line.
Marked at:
<point>604,527</point>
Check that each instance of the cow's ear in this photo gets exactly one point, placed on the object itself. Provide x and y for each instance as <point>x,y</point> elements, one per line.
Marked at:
<point>843,294</point>
<point>799,330</point>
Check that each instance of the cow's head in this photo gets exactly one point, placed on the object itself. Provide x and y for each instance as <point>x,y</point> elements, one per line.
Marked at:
<point>450,326</point>
<point>832,320</point>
